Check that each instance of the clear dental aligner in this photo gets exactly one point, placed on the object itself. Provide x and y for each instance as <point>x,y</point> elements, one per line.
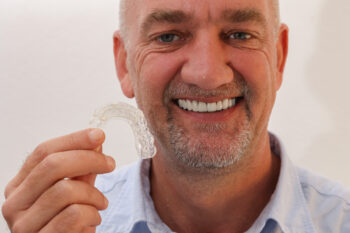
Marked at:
<point>144,141</point>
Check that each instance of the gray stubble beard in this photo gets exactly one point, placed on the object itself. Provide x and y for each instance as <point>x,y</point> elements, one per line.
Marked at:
<point>194,153</point>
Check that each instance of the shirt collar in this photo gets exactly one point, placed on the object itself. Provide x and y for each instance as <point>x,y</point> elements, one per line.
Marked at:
<point>143,208</point>
<point>134,204</point>
<point>287,206</point>
<point>130,202</point>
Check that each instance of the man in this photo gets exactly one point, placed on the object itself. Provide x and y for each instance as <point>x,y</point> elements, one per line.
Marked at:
<point>205,73</point>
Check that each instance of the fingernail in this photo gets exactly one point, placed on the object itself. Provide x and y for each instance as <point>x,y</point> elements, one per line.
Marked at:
<point>96,135</point>
<point>110,162</point>
<point>106,202</point>
<point>97,149</point>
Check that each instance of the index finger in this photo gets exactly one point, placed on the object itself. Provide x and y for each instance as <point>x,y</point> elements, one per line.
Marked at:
<point>87,139</point>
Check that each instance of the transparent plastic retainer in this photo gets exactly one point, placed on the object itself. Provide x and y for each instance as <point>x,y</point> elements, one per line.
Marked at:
<point>144,141</point>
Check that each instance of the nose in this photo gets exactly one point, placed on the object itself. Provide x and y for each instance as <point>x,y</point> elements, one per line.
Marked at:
<point>207,64</point>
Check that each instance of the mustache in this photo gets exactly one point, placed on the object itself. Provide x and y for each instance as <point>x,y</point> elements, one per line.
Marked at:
<point>175,89</point>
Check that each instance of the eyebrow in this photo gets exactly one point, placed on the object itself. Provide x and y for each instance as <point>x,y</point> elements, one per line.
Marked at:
<point>179,17</point>
<point>244,15</point>
<point>165,16</point>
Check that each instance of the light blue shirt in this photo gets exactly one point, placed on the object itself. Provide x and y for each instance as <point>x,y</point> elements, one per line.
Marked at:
<point>301,203</point>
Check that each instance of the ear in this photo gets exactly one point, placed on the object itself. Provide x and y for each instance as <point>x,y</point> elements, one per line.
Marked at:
<point>120,56</point>
<point>282,52</point>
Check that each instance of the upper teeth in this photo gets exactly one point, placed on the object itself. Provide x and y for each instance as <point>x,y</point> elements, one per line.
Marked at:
<point>197,106</point>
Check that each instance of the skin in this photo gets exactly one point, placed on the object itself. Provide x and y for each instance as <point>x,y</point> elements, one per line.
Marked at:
<point>56,204</point>
<point>187,199</point>
<point>206,199</point>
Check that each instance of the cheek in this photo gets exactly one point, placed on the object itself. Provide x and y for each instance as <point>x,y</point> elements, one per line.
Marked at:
<point>255,67</point>
<point>157,71</point>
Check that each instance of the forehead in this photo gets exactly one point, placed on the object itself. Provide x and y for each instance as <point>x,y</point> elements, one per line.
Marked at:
<point>198,9</point>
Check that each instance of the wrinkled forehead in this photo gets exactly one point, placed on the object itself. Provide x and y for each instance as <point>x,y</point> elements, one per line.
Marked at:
<point>202,10</point>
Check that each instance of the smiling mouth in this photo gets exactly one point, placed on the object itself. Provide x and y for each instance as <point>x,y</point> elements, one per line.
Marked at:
<point>204,107</point>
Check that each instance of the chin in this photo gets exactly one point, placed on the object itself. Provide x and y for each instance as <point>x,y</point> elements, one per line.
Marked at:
<point>210,150</point>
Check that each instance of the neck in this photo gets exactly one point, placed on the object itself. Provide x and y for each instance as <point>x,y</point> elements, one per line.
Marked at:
<point>216,201</point>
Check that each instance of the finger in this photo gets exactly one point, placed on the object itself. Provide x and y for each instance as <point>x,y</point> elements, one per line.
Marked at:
<point>82,140</point>
<point>90,179</point>
<point>54,168</point>
<point>57,198</point>
<point>89,230</point>
<point>75,218</point>
<point>99,148</point>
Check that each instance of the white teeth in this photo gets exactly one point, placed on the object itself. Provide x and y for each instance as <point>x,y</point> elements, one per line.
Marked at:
<point>202,107</point>
<point>182,104</point>
<point>197,106</point>
<point>211,107</point>
<point>225,104</point>
<point>189,105</point>
<point>219,106</point>
<point>230,103</point>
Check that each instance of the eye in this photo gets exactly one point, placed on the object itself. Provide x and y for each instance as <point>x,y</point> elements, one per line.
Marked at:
<point>168,38</point>
<point>240,36</point>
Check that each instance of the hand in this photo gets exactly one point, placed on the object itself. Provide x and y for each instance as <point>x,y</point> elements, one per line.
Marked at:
<point>54,190</point>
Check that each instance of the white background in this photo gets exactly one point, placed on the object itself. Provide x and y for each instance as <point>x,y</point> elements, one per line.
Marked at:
<point>56,67</point>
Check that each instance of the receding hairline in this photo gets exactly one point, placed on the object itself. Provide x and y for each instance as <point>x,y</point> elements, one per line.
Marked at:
<point>127,4</point>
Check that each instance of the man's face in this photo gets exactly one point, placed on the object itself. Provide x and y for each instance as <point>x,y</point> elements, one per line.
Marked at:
<point>222,56</point>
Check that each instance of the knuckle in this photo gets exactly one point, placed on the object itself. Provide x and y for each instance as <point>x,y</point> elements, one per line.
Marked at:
<point>62,188</point>
<point>73,213</point>
<point>48,164</point>
<point>70,219</point>
<point>65,226</point>
<point>41,150</point>
<point>10,187</point>
<point>77,216</point>
<point>6,211</point>
<point>8,190</point>
<point>18,228</point>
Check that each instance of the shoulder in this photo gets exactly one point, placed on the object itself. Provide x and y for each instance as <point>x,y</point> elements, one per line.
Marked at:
<point>328,202</point>
<point>315,186</point>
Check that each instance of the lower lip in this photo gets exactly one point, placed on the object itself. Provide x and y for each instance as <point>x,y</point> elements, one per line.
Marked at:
<point>211,116</point>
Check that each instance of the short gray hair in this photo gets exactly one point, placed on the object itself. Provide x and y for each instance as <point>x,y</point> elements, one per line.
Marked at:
<point>124,5</point>
<point>276,10</point>
<point>122,17</point>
